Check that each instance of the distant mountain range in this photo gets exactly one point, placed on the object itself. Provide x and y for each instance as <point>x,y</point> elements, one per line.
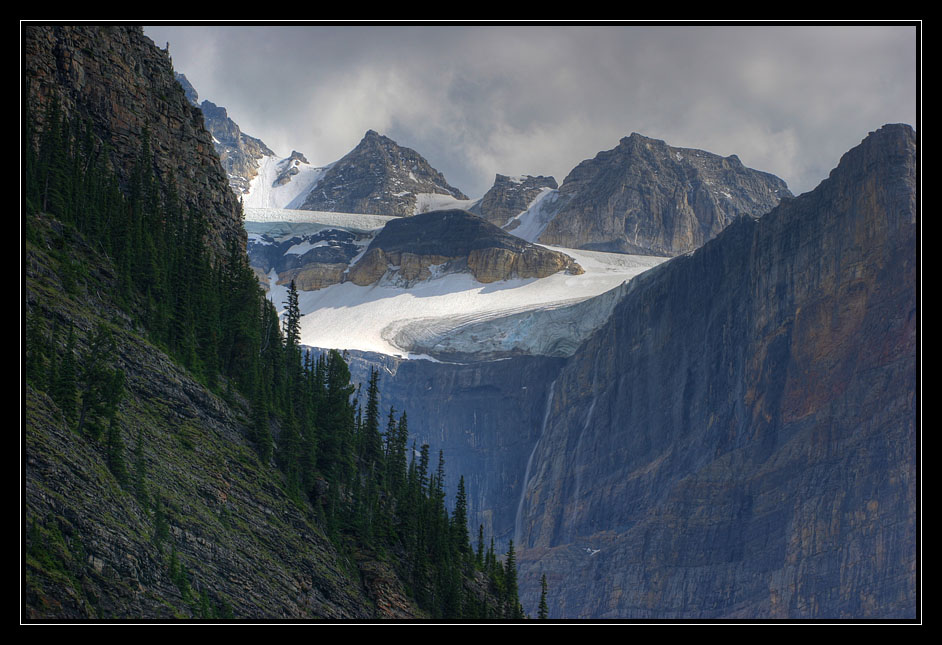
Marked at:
<point>642,197</point>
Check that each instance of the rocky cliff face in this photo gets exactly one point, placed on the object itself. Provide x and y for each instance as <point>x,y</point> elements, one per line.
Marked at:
<point>510,196</point>
<point>454,240</point>
<point>740,439</point>
<point>238,152</point>
<point>123,85</point>
<point>378,177</point>
<point>486,416</point>
<point>648,198</point>
<point>202,529</point>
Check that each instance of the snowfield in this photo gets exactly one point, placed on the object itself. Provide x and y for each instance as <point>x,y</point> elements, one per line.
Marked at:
<point>263,194</point>
<point>452,315</point>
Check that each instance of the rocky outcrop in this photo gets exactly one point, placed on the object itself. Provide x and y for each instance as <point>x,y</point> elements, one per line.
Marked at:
<point>510,196</point>
<point>124,86</point>
<point>288,168</point>
<point>740,439</point>
<point>313,261</point>
<point>648,198</point>
<point>238,152</point>
<point>378,177</point>
<point>188,90</point>
<point>454,240</point>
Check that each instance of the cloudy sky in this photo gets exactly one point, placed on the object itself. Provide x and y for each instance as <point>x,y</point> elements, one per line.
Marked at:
<point>480,100</point>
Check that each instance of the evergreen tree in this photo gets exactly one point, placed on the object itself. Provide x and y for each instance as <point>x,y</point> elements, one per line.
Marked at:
<point>543,611</point>
<point>459,523</point>
<point>65,391</point>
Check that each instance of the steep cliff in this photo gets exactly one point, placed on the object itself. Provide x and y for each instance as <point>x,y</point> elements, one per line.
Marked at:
<point>649,198</point>
<point>238,152</point>
<point>118,81</point>
<point>143,495</point>
<point>740,439</point>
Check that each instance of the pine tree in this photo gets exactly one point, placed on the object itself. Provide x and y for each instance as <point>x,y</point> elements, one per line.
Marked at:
<point>543,611</point>
<point>293,319</point>
<point>459,523</point>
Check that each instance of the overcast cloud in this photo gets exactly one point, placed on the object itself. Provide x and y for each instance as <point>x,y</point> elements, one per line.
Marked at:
<point>480,100</point>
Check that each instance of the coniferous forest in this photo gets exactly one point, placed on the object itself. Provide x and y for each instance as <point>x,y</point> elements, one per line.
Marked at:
<point>372,489</point>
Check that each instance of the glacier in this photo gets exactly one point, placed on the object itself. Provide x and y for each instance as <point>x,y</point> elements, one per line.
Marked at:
<point>450,317</point>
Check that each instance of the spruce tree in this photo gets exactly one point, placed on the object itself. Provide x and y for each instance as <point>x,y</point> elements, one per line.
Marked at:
<point>543,611</point>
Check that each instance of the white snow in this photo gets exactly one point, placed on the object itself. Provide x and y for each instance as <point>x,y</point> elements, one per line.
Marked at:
<point>538,214</point>
<point>263,194</point>
<point>347,316</point>
<point>304,247</point>
<point>265,218</point>
<point>425,202</point>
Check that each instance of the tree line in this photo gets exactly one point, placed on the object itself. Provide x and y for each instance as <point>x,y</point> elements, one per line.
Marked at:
<point>373,489</point>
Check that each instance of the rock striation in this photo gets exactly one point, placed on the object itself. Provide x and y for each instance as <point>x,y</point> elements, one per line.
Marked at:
<point>737,440</point>
<point>510,196</point>
<point>378,177</point>
<point>124,86</point>
<point>454,240</point>
<point>740,439</point>
<point>648,198</point>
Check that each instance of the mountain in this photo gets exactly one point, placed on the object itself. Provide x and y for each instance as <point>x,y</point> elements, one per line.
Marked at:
<point>648,198</point>
<point>238,152</point>
<point>778,478</point>
<point>738,438</point>
<point>510,196</point>
<point>381,177</point>
<point>125,100</point>
<point>168,446</point>
<point>454,240</point>
<point>258,176</point>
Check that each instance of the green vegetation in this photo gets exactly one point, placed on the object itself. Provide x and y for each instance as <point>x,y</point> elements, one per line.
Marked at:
<point>372,495</point>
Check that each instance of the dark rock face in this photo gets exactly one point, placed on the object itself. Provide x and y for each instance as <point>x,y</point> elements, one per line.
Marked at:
<point>188,90</point>
<point>238,152</point>
<point>648,198</point>
<point>117,79</point>
<point>377,177</point>
<point>320,260</point>
<point>485,416</point>
<point>510,196</point>
<point>460,240</point>
<point>740,439</point>
<point>92,548</point>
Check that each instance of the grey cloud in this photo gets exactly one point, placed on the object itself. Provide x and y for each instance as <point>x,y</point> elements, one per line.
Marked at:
<point>479,100</point>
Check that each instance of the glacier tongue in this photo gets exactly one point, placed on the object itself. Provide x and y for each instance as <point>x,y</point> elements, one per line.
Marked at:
<point>453,317</point>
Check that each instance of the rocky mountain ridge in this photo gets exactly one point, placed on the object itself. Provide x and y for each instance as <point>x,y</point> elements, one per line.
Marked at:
<point>117,80</point>
<point>510,196</point>
<point>738,440</point>
<point>649,198</point>
<point>379,177</point>
<point>205,527</point>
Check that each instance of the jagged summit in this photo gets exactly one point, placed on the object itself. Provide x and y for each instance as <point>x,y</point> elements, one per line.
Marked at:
<point>645,196</point>
<point>379,177</point>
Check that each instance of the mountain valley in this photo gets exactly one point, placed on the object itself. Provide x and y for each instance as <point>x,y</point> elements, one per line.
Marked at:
<point>666,384</point>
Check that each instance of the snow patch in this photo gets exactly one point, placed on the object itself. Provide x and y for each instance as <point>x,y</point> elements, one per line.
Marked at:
<point>425,202</point>
<point>263,193</point>
<point>538,215</point>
